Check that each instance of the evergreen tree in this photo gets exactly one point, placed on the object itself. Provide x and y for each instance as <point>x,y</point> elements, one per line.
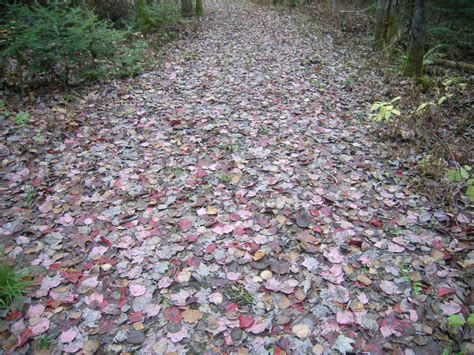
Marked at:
<point>186,8</point>
<point>451,25</point>
<point>199,8</point>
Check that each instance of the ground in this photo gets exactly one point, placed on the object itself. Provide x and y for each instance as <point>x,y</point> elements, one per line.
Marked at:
<point>232,200</point>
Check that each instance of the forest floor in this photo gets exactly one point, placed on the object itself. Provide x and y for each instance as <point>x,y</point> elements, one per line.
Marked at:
<point>234,200</point>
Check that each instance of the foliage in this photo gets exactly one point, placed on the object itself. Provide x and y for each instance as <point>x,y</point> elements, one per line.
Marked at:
<point>45,341</point>
<point>238,294</point>
<point>166,16</point>
<point>455,321</point>
<point>450,25</point>
<point>470,320</point>
<point>145,21</point>
<point>462,176</point>
<point>384,110</point>
<point>12,285</point>
<point>59,44</point>
<point>199,8</point>
<point>431,165</point>
<point>114,10</point>
<point>21,118</point>
<point>3,110</point>
<point>449,87</point>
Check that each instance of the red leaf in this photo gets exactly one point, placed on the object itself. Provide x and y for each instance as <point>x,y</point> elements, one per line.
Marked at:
<point>72,276</point>
<point>23,338</point>
<point>136,317</point>
<point>246,322</point>
<point>106,325</point>
<point>233,307</point>
<point>54,266</point>
<point>376,223</point>
<point>173,314</point>
<point>184,225</point>
<point>239,231</point>
<point>105,241</point>
<point>200,173</point>
<point>211,248</point>
<point>14,315</point>
<point>444,291</point>
<point>192,239</point>
<point>193,261</point>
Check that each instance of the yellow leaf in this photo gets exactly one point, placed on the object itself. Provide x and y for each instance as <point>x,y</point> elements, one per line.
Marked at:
<point>280,219</point>
<point>258,255</point>
<point>235,179</point>
<point>211,211</point>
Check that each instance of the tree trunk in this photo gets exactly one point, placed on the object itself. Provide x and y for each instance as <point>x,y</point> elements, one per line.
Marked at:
<point>416,49</point>
<point>199,8</point>
<point>186,8</point>
<point>387,23</point>
<point>467,67</point>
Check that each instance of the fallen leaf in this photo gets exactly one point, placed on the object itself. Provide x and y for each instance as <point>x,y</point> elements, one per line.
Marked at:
<point>68,335</point>
<point>301,330</point>
<point>191,315</point>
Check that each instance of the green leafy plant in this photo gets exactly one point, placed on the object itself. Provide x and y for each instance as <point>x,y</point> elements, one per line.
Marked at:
<point>349,82</point>
<point>384,111</point>
<point>446,90</point>
<point>238,294</point>
<point>3,111</point>
<point>455,322</point>
<point>29,196</point>
<point>225,178</point>
<point>68,97</point>
<point>416,288</point>
<point>38,138</point>
<point>470,320</point>
<point>12,285</point>
<point>430,165</point>
<point>21,118</point>
<point>462,175</point>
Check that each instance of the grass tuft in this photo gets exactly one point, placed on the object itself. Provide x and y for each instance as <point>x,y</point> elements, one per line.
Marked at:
<point>13,286</point>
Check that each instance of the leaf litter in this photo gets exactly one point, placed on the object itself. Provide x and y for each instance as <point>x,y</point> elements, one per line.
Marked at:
<point>234,202</point>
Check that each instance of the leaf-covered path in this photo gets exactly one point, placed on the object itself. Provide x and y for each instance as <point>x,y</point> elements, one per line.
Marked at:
<point>231,201</point>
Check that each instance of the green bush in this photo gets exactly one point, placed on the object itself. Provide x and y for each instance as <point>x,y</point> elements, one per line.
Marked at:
<point>167,16</point>
<point>157,18</point>
<point>58,44</point>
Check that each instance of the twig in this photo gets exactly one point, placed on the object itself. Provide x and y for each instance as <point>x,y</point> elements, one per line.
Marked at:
<point>353,11</point>
<point>329,174</point>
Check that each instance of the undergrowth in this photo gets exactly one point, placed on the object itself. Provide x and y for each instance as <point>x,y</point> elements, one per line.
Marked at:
<point>13,285</point>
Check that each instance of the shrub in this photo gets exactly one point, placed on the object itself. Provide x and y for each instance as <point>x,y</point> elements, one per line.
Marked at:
<point>166,16</point>
<point>161,18</point>
<point>58,44</point>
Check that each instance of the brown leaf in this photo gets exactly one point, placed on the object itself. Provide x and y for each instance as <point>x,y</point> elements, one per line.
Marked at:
<point>191,315</point>
<point>308,242</point>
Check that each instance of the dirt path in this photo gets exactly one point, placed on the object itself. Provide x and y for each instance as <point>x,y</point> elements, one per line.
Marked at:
<point>232,201</point>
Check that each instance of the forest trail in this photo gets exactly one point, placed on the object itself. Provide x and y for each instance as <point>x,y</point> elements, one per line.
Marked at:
<point>233,200</point>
